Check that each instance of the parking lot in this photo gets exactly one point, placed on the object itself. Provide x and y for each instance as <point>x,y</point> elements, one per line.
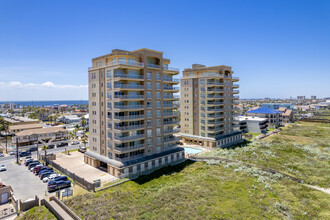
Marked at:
<point>24,183</point>
<point>75,164</point>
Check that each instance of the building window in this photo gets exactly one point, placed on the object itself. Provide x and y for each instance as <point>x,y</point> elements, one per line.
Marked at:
<point>148,75</point>
<point>149,133</point>
<point>158,131</point>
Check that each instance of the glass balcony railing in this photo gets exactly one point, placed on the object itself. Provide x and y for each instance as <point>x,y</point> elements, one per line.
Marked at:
<point>171,88</point>
<point>128,106</point>
<point>129,96</point>
<point>129,117</point>
<point>215,96</point>
<point>129,158</point>
<point>129,127</point>
<point>151,65</point>
<point>170,79</point>
<point>215,90</point>
<point>121,62</point>
<point>129,148</point>
<point>128,138</point>
<point>127,86</point>
<point>170,68</point>
<point>170,122</point>
<point>168,105</point>
<point>235,91</point>
<point>128,76</point>
<point>215,83</point>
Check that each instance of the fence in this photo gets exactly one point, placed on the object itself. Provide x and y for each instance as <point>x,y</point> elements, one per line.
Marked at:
<point>24,206</point>
<point>77,179</point>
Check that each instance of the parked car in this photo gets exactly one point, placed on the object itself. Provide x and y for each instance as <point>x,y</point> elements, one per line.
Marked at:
<point>62,144</point>
<point>32,149</point>
<point>14,152</point>
<point>37,169</point>
<point>38,165</point>
<point>45,174</point>
<point>64,178</point>
<point>50,177</point>
<point>82,149</point>
<point>25,153</point>
<point>75,143</point>
<point>59,185</point>
<point>28,161</point>
<point>31,165</point>
<point>51,146</point>
<point>44,171</point>
<point>2,155</point>
<point>3,167</point>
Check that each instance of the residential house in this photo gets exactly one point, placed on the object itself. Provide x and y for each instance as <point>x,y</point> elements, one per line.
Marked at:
<point>69,119</point>
<point>274,117</point>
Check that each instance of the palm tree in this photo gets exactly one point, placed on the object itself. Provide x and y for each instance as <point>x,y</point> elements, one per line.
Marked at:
<point>84,138</point>
<point>44,148</point>
<point>83,121</point>
<point>50,118</point>
<point>72,135</point>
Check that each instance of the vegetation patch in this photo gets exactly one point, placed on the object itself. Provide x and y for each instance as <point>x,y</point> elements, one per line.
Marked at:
<point>39,213</point>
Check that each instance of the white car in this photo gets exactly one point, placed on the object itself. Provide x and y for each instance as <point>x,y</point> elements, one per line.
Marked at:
<point>75,142</point>
<point>3,167</point>
<point>50,177</point>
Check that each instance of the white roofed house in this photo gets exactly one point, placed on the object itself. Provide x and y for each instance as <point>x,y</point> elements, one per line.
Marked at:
<point>69,119</point>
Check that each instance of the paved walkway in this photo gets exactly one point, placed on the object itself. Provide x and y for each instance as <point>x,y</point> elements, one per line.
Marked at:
<point>60,211</point>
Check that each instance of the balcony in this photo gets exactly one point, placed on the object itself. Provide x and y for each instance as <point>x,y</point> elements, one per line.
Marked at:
<point>215,90</point>
<point>171,88</point>
<point>215,116</point>
<point>151,65</point>
<point>235,79</point>
<point>215,128</point>
<point>215,84</point>
<point>129,96</point>
<point>170,114</point>
<point>129,138</point>
<point>235,97</point>
<point>171,122</point>
<point>215,122</point>
<point>215,103</point>
<point>129,148</point>
<point>171,80</point>
<point>171,96</point>
<point>129,117</point>
<point>129,158</point>
<point>215,109</point>
<point>127,86</point>
<point>128,76</point>
<point>215,96</point>
<point>235,85</point>
<point>171,70</point>
<point>129,127</point>
<point>169,106</point>
<point>122,62</point>
<point>171,139</point>
<point>235,91</point>
<point>121,107</point>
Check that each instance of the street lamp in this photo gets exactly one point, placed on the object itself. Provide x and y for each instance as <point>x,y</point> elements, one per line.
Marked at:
<point>6,135</point>
<point>16,150</point>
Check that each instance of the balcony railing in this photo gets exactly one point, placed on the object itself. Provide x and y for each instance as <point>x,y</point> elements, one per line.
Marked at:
<point>215,129</point>
<point>235,78</point>
<point>168,105</point>
<point>215,122</point>
<point>171,68</point>
<point>215,90</point>
<point>171,114</point>
<point>151,65</point>
<point>215,116</point>
<point>235,85</point>
<point>128,138</point>
<point>127,86</point>
<point>122,62</point>
<point>235,91</point>
<point>128,96</point>
<point>129,148</point>
<point>128,106</point>
<point>171,122</point>
<point>171,88</point>
<point>215,83</point>
<point>215,109</point>
<point>215,103</point>
<point>235,97</point>
<point>118,75</point>
<point>215,96</point>
<point>129,158</point>
<point>129,127</point>
<point>171,139</point>
<point>129,117</point>
<point>170,79</point>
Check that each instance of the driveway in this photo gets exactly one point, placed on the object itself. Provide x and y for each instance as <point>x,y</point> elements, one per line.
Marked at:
<point>24,183</point>
<point>75,164</point>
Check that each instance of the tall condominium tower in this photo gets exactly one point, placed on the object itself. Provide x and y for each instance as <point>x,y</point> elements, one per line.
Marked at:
<point>132,113</point>
<point>207,97</point>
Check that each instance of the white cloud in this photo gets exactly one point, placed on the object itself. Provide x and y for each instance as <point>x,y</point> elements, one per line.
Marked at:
<point>15,90</point>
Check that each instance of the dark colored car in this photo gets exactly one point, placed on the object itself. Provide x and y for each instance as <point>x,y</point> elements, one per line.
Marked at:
<point>51,146</point>
<point>25,153</point>
<point>31,165</point>
<point>28,161</point>
<point>82,149</point>
<point>37,170</point>
<point>61,184</point>
<point>58,178</point>
<point>32,149</point>
<point>44,170</point>
<point>45,174</point>
<point>62,144</point>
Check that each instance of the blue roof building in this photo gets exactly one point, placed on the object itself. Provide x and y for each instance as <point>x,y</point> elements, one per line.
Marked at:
<point>277,105</point>
<point>274,117</point>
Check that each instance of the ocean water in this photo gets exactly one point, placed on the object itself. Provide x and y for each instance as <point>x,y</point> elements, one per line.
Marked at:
<point>48,103</point>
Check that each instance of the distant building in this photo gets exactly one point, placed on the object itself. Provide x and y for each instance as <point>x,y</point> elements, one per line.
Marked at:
<point>8,106</point>
<point>69,119</point>
<point>276,106</point>
<point>42,135</point>
<point>251,124</point>
<point>302,97</point>
<point>18,128</point>
<point>274,117</point>
<point>313,97</point>
<point>20,120</point>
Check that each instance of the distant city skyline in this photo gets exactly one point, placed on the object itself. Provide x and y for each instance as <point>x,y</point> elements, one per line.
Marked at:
<point>278,49</point>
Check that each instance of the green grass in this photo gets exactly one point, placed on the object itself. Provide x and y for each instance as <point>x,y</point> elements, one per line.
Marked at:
<point>216,190</point>
<point>202,191</point>
<point>37,213</point>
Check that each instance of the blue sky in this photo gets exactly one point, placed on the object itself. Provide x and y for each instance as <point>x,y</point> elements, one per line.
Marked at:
<point>277,48</point>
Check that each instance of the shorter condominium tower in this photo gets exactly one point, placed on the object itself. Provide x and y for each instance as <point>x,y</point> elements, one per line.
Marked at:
<point>207,98</point>
<point>132,114</point>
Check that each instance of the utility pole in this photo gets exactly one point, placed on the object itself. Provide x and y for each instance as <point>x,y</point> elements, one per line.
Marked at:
<point>6,132</point>
<point>16,151</point>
